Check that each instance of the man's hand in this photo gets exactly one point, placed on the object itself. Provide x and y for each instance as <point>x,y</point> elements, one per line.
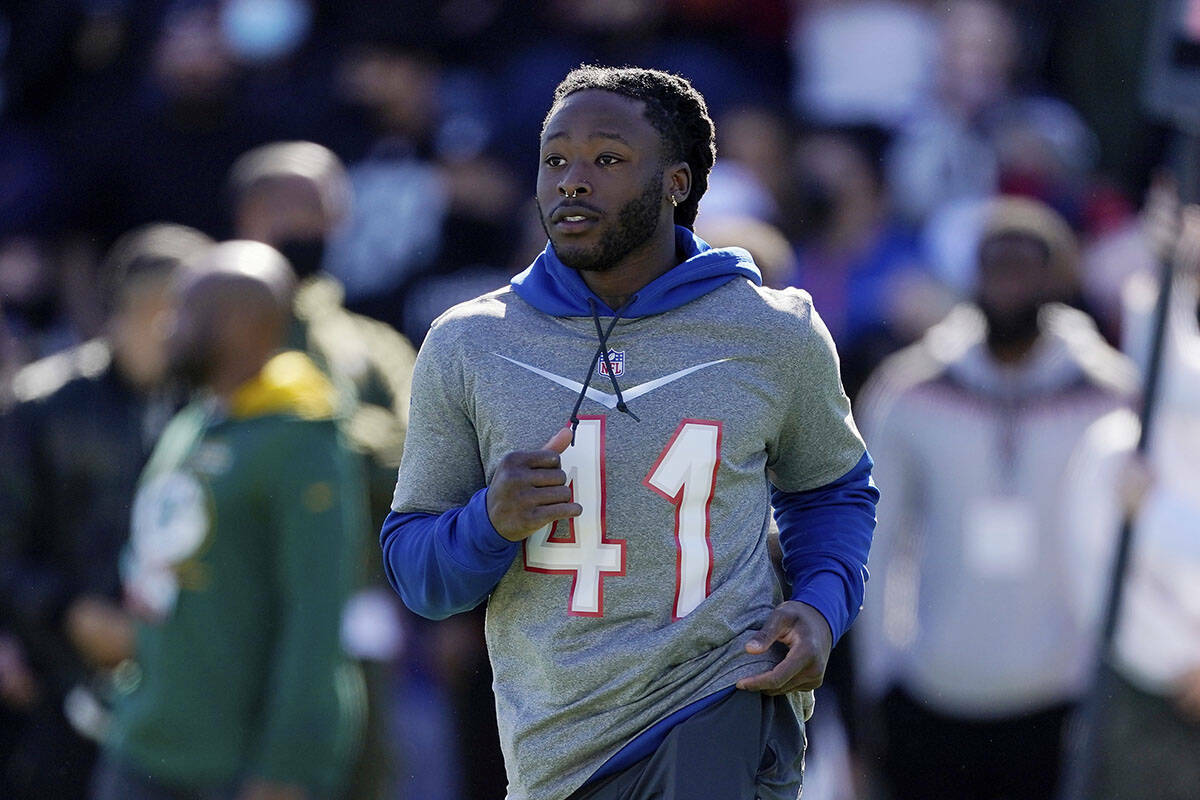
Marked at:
<point>529,490</point>
<point>1187,251</point>
<point>806,634</point>
<point>1188,697</point>
<point>100,630</point>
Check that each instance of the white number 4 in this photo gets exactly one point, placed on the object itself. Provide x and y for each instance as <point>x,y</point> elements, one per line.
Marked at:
<point>685,475</point>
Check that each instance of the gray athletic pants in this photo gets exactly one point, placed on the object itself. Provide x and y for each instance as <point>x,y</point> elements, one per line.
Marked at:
<point>749,746</point>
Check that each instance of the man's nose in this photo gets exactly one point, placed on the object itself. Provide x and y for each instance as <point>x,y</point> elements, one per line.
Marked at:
<point>574,184</point>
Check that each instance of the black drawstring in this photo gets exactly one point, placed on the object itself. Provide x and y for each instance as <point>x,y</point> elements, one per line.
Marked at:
<point>601,353</point>
<point>612,375</point>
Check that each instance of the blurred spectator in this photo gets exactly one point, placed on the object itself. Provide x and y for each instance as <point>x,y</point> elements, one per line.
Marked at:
<point>400,196</point>
<point>727,65</point>
<point>1040,149</point>
<point>770,248</point>
<point>752,176</point>
<point>970,644</point>
<point>944,152</point>
<point>30,297</point>
<point>1131,247</point>
<point>1150,729</point>
<point>239,561</point>
<point>979,133</point>
<point>70,452</point>
<point>294,196</point>
<point>160,150</point>
<point>862,268</point>
<point>863,62</point>
<point>429,207</point>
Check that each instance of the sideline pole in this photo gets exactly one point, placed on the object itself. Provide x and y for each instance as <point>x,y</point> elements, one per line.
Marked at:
<point>1082,732</point>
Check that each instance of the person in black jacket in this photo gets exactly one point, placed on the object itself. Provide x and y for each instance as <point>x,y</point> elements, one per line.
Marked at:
<point>71,449</point>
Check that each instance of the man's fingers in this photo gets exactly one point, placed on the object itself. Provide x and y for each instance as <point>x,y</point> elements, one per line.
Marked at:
<point>560,441</point>
<point>787,676</point>
<point>547,477</point>
<point>544,515</point>
<point>540,459</point>
<point>775,627</point>
<point>546,496</point>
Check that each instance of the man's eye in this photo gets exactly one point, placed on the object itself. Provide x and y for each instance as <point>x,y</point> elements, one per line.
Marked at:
<point>554,161</point>
<point>607,160</point>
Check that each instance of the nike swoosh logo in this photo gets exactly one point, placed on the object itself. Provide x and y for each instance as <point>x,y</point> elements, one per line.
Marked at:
<point>604,398</point>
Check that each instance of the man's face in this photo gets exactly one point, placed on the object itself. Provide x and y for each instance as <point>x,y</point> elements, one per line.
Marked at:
<point>288,214</point>
<point>600,147</point>
<point>1014,283</point>
<point>138,331</point>
<point>189,332</point>
<point>280,210</point>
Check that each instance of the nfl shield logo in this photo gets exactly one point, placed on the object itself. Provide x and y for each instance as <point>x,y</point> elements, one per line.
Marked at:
<point>617,359</point>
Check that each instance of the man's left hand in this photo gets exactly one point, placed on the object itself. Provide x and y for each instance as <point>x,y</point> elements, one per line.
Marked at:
<point>805,633</point>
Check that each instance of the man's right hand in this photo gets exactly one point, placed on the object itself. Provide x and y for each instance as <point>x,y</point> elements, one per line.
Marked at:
<point>529,490</point>
<point>100,630</point>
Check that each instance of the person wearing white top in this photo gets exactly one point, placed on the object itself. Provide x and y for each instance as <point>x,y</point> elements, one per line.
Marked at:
<point>1150,732</point>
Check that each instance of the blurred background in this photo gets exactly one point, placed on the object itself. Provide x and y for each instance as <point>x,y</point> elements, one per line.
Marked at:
<point>861,144</point>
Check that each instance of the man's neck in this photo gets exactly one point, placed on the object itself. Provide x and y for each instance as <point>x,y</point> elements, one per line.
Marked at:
<point>225,382</point>
<point>1011,354</point>
<point>615,286</point>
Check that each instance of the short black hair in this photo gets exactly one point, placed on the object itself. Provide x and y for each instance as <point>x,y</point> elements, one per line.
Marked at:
<point>675,109</point>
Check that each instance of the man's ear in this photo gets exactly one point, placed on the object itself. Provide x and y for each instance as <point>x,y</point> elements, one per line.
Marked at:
<point>678,178</point>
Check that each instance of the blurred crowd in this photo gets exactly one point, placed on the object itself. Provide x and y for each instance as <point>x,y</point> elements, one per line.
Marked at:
<point>388,151</point>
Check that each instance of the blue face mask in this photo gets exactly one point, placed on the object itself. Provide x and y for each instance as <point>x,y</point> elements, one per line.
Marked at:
<point>265,30</point>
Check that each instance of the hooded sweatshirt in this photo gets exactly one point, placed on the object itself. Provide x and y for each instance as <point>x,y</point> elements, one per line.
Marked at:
<point>972,610</point>
<point>602,629</point>
<point>240,554</point>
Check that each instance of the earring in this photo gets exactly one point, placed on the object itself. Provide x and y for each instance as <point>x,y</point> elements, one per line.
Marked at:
<point>674,201</point>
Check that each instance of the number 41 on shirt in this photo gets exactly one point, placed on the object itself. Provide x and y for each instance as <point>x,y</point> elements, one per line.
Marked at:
<point>684,475</point>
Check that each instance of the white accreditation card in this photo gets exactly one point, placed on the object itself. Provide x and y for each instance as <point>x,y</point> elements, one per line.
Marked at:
<point>1000,537</point>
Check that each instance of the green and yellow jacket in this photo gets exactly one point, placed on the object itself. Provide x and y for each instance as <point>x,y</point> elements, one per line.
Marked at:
<point>244,531</point>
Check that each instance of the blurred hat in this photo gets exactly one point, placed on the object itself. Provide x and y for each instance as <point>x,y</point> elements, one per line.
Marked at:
<point>1033,219</point>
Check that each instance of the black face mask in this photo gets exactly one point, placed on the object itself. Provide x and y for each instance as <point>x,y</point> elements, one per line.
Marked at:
<point>305,255</point>
<point>39,313</point>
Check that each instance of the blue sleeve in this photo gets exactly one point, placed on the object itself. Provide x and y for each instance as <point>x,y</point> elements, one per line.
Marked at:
<point>445,564</point>
<point>825,534</point>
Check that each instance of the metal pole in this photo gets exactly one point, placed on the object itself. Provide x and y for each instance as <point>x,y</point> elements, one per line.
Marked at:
<point>1081,753</point>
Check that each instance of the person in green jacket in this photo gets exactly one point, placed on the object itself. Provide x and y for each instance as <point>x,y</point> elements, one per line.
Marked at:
<point>239,562</point>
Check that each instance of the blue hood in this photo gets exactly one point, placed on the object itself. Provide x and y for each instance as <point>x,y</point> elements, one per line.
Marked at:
<point>554,288</point>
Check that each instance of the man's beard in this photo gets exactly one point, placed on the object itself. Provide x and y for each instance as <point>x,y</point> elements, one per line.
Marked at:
<point>637,222</point>
<point>1013,327</point>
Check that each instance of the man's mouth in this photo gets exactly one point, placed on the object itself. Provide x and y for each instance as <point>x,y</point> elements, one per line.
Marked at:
<point>573,214</point>
<point>574,219</point>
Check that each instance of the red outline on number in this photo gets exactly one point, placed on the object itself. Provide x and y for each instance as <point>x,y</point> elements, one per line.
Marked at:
<point>574,573</point>
<point>677,501</point>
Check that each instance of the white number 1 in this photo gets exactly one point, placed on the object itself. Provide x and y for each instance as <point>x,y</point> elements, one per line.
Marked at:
<point>685,475</point>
